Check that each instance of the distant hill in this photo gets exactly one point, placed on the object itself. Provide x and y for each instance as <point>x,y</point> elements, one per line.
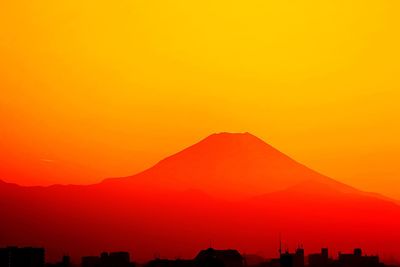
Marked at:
<point>231,190</point>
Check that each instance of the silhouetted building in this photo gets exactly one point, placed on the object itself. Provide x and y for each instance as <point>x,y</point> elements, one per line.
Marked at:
<point>91,261</point>
<point>271,263</point>
<point>35,257</point>
<point>253,260</point>
<point>319,259</point>
<point>357,260</point>
<point>21,257</point>
<point>113,259</point>
<point>219,258</point>
<point>292,259</point>
<point>66,261</point>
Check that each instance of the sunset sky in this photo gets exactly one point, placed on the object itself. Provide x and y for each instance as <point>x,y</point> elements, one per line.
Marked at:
<point>95,89</point>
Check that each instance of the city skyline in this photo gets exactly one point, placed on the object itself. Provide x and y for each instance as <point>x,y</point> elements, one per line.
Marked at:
<point>13,256</point>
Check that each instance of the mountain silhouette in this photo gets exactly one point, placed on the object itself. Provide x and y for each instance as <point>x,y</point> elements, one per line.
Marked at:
<point>233,190</point>
<point>230,165</point>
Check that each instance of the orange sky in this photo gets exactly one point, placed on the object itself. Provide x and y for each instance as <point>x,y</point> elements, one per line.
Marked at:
<point>93,89</point>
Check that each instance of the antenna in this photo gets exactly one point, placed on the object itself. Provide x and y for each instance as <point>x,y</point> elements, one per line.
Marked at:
<point>280,244</point>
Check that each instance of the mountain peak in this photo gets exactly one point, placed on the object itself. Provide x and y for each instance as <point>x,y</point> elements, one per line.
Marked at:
<point>233,136</point>
<point>239,142</point>
<point>230,165</point>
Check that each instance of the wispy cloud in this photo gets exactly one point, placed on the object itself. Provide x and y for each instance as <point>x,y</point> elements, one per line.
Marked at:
<point>47,160</point>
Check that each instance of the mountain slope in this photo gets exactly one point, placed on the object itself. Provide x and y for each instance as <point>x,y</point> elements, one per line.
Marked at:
<point>85,220</point>
<point>230,165</point>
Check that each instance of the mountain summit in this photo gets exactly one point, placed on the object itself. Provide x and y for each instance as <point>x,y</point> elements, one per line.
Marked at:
<point>230,165</point>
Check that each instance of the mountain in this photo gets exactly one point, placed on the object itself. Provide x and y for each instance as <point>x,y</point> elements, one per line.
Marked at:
<point>229,165</point>
<point>231,190</point>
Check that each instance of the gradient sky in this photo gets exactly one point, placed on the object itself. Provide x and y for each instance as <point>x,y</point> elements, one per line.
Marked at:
<point>94,89</point>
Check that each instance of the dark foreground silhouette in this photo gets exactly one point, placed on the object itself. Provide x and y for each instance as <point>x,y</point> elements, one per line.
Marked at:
<point>232,189</point>
<point>35,257</point>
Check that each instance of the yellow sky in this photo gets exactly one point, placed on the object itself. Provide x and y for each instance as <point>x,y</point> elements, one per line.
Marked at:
<point>92,89</point>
